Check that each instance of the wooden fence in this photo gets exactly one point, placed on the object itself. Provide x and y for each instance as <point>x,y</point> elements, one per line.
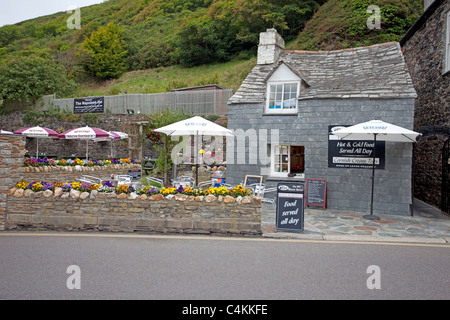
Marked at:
<point>198,102</point>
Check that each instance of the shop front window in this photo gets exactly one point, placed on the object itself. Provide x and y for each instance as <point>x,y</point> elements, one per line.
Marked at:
<point>288,160</point>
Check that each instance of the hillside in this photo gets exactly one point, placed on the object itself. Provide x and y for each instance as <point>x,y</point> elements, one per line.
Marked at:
<point>166,44</point>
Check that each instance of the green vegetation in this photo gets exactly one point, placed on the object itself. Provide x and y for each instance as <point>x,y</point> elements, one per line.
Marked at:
<point>146,46</point>
<point>343,24</point>
<point>104,52</point>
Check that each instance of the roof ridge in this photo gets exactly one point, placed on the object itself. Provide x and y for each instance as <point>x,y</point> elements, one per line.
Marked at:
<point>343,50</point>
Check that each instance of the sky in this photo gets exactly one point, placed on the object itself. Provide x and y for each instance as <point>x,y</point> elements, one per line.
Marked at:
<point>14,11</point>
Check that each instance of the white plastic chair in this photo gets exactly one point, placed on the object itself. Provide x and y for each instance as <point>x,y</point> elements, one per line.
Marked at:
<point>90,179</point>
<point>123,179</point>
<point>204,184</point>
<point>151,181</point>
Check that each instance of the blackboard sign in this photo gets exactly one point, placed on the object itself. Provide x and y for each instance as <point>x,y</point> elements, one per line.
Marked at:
<point>135,173</point>
<point>316,192</point>
<point>249,180</point>
<point>89,105</point>
<point>354,154</point>
<point>290,206</point>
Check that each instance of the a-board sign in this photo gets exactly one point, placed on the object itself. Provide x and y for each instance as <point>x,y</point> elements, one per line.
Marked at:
<point>249,180</point>
<point>135,173</point>
<point>89,105</point>
<point>316,192</point>
<point>290,206</point>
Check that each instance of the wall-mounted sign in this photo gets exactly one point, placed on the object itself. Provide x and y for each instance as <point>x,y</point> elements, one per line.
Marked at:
<point>354,154</point>
<point>89,105</point>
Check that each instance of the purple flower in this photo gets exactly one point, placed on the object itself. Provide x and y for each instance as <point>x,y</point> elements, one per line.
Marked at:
<point>108,184</point>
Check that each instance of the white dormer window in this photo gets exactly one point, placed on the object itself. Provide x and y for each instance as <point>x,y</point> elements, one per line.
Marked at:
<point>447,45</point>
<point>283,88</point>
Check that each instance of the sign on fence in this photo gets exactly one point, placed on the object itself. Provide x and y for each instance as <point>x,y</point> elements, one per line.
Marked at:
<point>89,105</point>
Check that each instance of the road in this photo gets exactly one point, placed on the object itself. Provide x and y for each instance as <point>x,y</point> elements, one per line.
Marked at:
<point>121,266</point>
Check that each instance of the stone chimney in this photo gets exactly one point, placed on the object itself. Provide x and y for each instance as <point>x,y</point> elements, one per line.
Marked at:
<point>271,44</point>
<point>426,4</point>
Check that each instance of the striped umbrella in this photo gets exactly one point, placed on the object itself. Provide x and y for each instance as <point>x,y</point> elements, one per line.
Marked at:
<point>113,135</point>
<point>37,132</point>
<point>84,133</point>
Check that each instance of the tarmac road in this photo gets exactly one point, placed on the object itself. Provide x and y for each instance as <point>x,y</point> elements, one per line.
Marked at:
<point>131,266</point>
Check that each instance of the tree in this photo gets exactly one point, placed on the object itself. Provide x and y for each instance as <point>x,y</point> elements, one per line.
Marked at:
<point>27,78</point>
<point>104,53</point>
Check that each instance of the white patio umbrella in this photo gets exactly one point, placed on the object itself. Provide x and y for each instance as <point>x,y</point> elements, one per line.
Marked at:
<point>196,126</point>
<point>113,135</point>
<point>376,130</point>
<point>84,133</point>
<point>6,132</point>
<point>38,133</point>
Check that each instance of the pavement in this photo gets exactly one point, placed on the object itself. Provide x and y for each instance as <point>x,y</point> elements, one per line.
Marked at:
<point>427,225</point>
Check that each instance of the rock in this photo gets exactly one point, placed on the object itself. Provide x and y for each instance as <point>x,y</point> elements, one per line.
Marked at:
<point>112,195</point>
<point>210,198</point>
<point>247,199</point>
<point>221,168</point>
<point>199,198</point>
<point>220,198</point>
<point>28,193</point>
<point>170,197</point>
<point>122,196</point>
<point>257,199</point>
<point>58,192</point>
<point>75,194</point>
<point>18,193</point>
<point>157,197</point>
<point>143,197</point>
<point>84,195</point>
<point>45,169</point>
<point>11,191</point>
<point>181,197</point>
<point>132,196</point>
<point>102,195</point>
<point>93,194</point>
<point>191,198</point>
<point>229,199</point>
<point>65,195</point>
<point>239,199</point>
<point>214,168</point>
<point>48,193</point>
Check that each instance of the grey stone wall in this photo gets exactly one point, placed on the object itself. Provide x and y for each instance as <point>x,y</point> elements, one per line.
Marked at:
<point>424,54</point>
<point>348,189</point>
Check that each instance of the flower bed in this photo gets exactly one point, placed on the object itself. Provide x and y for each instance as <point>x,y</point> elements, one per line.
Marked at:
<point>41,162</point>
<point>107,187</point>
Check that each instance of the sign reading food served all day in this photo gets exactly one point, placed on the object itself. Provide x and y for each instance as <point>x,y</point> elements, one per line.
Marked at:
<point>290,206</point>
<point>89,105</point>
<point>354,154</point>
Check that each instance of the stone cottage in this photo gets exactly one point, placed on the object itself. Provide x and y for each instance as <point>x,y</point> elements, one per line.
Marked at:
<point>285,109</point>
<point>426,47</point>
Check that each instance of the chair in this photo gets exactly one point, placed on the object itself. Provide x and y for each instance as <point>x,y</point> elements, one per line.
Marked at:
<point>204,184</point>
<point>260,190</point>
<point>123,179</point>
<point>184,181</point>
<point>151,181</point>
<point>90,179</point>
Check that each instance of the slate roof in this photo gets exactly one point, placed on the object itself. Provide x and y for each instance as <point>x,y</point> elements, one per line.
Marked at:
<point>377,71</point>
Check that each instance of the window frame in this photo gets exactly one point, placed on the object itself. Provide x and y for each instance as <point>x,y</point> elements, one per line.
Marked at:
<point>282,110</point>
<point>273,159</point>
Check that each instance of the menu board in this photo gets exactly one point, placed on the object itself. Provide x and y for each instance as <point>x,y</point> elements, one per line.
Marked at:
<point>316,192</point>
<point>290,206</point>
<point>135,174</point>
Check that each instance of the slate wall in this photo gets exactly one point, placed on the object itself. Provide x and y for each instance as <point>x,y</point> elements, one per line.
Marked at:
<point>348,189</point>
<point>424,54</point>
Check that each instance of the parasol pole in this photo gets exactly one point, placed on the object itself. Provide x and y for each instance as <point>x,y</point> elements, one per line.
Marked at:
<point>371,216</point>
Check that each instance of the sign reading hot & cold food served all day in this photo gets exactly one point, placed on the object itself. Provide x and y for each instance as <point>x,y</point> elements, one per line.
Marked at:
<point>89,105</point>
<point>354,154</point>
